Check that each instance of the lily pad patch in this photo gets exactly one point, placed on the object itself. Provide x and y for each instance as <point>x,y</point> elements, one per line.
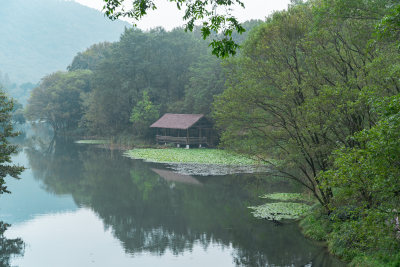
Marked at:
<point>280,211</point>
<point>286,197</point>
<point>291,206</point>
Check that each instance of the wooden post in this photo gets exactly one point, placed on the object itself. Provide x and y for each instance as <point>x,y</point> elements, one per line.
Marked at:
<point>199,136</point>
<point>187,139</point>
<point>165,134</point>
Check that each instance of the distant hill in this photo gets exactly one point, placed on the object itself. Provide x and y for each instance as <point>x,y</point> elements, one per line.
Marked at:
<point>38,37</point>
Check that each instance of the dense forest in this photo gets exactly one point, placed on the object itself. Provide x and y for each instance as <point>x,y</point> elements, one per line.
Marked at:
<point>121,88</point>
<point>314,91</point>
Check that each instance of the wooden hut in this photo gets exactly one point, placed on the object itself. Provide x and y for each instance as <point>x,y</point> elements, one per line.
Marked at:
<point>183,129</point>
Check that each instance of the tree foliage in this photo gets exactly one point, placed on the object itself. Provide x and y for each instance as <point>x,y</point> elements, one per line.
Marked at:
<point>367,190</point>
<point>143,114</point>
<point>314,90</point>
<point>301,89</point>
<point>58,99</point>
<point>174,68</point>
<point>141,62</point>
<point>206,12</point>
<point>389,27</point>
<point>89,59</point>
<point>18,116</point>
<point>6,149</point>
<point>206,79</point>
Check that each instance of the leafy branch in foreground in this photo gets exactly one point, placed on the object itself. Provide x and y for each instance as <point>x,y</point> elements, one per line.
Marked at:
<point>214,16</point>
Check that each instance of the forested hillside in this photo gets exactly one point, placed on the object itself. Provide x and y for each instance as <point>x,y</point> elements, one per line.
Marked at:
<point>39,37</point>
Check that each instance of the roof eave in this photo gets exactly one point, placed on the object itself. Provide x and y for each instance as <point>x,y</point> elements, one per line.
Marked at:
<point>170,127</point>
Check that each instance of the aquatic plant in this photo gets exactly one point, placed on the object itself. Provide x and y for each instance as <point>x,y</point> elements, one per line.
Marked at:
<point>202,156</point>
<point>286,197</point>
<point>280,211</point>
<point>290,206</point>
<point>216,169</point>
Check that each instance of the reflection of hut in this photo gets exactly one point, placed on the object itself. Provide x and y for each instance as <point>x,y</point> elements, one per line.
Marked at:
<point>176,177</point>
<point>183,129</point>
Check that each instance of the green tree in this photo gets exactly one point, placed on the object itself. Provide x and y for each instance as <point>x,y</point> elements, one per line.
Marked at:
<point>144,113</point>
<point>58,99</point>
<point>262,112</point>
<point>301,89</point>
<point>207,12</point>
<point>206,79</point>
<point>91,58</point>
<point>367,191</point>
<point>140,61</point>
<point>18,113</point>
<point>389,27</point>
<point>6,149</point>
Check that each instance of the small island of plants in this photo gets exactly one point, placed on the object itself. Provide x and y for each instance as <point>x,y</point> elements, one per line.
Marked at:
<point>200,156</point>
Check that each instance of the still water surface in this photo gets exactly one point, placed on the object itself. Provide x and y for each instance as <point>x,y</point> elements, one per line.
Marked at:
<point>78,205</point>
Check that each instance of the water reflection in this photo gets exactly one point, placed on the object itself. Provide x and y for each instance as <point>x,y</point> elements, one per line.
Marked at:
<point>9,247</point>
<point>171,176</point>
<point>154,211</point>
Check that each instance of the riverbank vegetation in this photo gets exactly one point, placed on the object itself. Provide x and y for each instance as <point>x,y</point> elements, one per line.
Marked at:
<point>315,88</point>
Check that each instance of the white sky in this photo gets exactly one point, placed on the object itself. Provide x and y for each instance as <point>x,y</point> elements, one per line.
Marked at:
<point>168,16</point>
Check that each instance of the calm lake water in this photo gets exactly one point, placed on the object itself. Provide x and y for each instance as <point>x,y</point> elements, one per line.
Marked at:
<point>78,205</point>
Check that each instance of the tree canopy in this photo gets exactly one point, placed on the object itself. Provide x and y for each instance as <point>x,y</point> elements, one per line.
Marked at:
<point>58,99</point>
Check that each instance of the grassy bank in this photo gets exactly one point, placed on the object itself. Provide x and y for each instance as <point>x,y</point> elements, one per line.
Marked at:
<point>200,156</point>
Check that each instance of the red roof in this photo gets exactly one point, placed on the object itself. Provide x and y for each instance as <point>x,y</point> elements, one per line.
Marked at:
<point>177,121</point>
